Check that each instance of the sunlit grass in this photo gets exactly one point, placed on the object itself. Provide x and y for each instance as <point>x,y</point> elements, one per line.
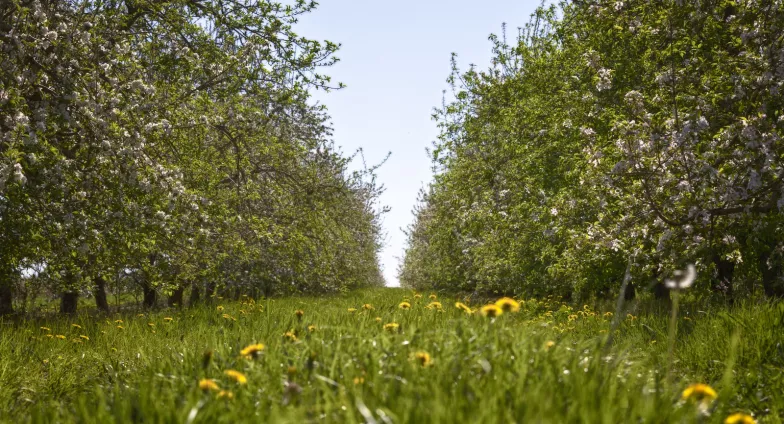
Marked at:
<point>364,358</point>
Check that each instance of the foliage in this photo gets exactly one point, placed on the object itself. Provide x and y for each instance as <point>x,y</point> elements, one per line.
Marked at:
<point>177,140</point>
<point>612,130</point>
<point>340,366</point>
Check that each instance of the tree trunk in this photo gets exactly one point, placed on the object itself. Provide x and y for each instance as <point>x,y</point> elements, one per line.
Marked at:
<point>209,291</point>
<point>149,296</point>
<point>100,295</point>
<point>724,272</point>
<point>176,297</point>
<point>6,297</point>
<point>195,294</point>
<point>772,281</point>
<point>629,292</point>
<point>660,291</point>
<point>68,302</point>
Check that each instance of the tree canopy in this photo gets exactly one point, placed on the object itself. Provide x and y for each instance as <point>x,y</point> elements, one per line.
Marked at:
<point>612,135</point>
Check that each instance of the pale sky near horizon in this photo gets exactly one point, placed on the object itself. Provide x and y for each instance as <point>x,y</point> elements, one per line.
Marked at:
<point>395,59</point>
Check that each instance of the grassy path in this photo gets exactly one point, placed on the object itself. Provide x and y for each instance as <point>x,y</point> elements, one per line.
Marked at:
<point>546,363</point>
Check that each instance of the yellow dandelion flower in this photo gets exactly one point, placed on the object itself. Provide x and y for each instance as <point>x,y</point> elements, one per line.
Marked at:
<point>49,335</point>
<point>434,305</point>
<point>433,296</point>
<point>290,336</point>
<point>236,376</point>
<point>207,384</point>
<point>252,351</point>
<point>367,306</point>
<point>391,327</point>
<point>378,319</point>
<point>404,305</point>
<point>352,310</point>
<point>84,337</point>
<point>60,336</point>
<point>311,328</point>
<point>463,307</point>
<point>631,317</point>
<point>359,380</point>
<point>507,304</point>
<point>168,319</point>
<point>549,344</point>
<point>140,315</point>
<point>120,327</point>
<point>76,326</point>
<point>491,310</point>
<point>219,308</point>
<point>740,418</point>
<point>608,314</point>
<point>299,313</point>
<point>47,329</point>
<point>572,317</point>
<point>417,296</point>
<point>423,358</point>
<point>119,321</point>
<point>225,394</point>
<point>151,324</point>
<point>699,392</point>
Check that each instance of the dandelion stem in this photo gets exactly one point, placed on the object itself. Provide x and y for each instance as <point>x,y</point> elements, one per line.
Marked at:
<point>673,327</point>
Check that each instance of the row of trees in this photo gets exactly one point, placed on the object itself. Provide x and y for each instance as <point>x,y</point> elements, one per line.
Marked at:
<point>612,135</point>
<point>174,141</point>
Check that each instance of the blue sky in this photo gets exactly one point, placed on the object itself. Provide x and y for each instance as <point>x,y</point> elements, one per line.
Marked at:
<point>395,58</point>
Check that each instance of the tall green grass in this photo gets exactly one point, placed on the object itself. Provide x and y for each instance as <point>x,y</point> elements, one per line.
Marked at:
<point>351,370</point>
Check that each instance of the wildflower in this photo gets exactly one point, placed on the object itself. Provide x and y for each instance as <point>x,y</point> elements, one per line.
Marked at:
<point>359,380</point>
<point>290,336</point>
<point>508,304</point>
<point>367,306</point>
<point>549,344</point>
<point>699,392</point>
<point>76,326</point>
<point>417,296</point>
<point>391,327</point>
<point>404,305</point>
<point>60,336</point>
<point>140,315</point>
<point>352,310</point>
<point>433,296</point>
<point>227,316</point>
<point>84,337</point>
<point>168,319</point>
<point>311,328</point>
<point>423,358</point>
<point>119,321</point>
<point>47,329</point>
<point>252,351</point>
<point>682,279</point>
<point>631,317</point>
<point>299,313</point>
<point>114,349</point>
<point>207,384</point>
<point>491,311</point>
<point>225,394</point>
<point>378,319</point>
<point>463,307</point>
<point>236,376</point>
<point>740,418</point>
<point>608,314</point>
<point>434,305</point>
<point>151,324</point>
<point>49,335</point>
<point>219,308</point>
<point>120,327</point>
<point>572,317</point>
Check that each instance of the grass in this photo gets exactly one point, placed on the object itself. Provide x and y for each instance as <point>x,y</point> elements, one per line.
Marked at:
<point>547,363</point>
